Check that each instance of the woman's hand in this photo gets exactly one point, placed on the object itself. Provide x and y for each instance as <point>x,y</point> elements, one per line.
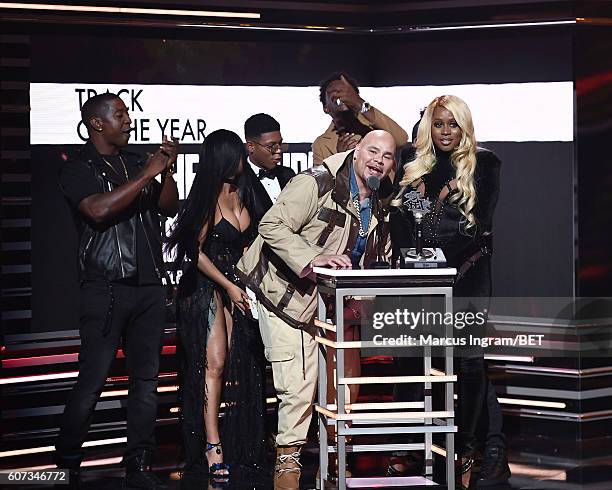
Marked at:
<point>239,298</point>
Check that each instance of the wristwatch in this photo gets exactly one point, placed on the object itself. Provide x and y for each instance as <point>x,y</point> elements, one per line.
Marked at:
<point>365,107</point>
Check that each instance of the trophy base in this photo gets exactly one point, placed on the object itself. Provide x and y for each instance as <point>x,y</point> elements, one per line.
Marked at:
<point>430,258</point>
<point>380,264</point>
<point>426,253</point>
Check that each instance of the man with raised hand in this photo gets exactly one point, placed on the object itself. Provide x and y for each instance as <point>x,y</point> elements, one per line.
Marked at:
<point>352,118</point>
<point>117,203</point>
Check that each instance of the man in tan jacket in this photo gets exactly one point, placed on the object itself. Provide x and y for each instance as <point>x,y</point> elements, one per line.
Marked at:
<point>352,117</point>
<point>323,218</point>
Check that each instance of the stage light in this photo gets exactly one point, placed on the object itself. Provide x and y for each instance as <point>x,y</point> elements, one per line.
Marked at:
<point>491,26</point>
<point>128,10</point>
<point>166,389</point>
<point>107,394</point>
<point>260,28</point>
<point>160,389</point>
<point>38,377</point>
<point>105,442</point>
<point>531,403</point>
<point>269,401</point>
<point>498,357</point>
<point>47,449</point>
<point>550,474</point>
<point>90,463</point>
<point>39,360</point>
<point>395,30</point>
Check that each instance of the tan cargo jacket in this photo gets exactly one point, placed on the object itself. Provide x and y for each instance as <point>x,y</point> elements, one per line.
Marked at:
<point>313,215</point>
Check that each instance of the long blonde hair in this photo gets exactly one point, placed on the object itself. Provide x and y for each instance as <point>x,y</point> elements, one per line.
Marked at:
<point>463,157</point>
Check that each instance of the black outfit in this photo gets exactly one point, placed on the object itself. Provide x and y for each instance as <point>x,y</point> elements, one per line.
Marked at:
<point>261,199</point>
<point>113,250</point>
<point>120,264</point>
<point>242,431</point>
<point>468,250</point>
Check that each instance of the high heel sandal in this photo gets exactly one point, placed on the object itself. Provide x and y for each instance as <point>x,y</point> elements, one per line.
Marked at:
<point>215,468</point>
<point>460,471</point>
<point>409,465</point>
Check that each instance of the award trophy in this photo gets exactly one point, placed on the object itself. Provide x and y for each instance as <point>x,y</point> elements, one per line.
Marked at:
<point>420,257</point>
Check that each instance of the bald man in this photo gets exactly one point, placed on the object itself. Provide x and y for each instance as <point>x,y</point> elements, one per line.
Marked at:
<point>323,218</point>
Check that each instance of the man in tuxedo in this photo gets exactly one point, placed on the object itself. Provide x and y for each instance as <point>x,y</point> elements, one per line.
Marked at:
<point>264,145</point>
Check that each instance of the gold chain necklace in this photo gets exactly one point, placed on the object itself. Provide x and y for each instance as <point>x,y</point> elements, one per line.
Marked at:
<point>115,170</point>
<point>357,206</point>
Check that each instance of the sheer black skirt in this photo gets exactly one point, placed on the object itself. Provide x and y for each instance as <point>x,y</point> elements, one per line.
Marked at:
<point>242,428</point>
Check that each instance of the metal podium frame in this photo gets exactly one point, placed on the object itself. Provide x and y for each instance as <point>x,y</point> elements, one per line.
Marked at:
<point>383,282</point>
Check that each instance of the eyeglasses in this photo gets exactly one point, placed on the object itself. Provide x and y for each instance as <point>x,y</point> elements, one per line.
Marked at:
<point>274,147</point>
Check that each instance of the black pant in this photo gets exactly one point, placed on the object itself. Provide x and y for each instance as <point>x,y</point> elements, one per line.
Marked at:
<point>137,316</point>
<point>471,387</point>
<point>492,421</point>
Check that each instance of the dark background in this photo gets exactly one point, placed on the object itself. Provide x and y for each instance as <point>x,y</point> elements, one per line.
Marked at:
<point>552,226</point>
<point>534,245</point>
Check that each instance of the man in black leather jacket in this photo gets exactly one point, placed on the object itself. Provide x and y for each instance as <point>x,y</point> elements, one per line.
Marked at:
<point>117,203</point>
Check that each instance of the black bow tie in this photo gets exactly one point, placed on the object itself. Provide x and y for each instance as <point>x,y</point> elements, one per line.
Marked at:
<point>270,174</point>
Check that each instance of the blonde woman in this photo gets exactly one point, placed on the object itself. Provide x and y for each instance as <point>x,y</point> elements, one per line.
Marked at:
<point>461,181</point>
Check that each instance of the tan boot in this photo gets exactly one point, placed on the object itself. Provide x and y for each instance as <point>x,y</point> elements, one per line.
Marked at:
<point>288,468</point>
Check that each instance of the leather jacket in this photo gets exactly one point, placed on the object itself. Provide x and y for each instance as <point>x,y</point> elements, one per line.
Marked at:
<point>109,249</point>
<point>467,250</point>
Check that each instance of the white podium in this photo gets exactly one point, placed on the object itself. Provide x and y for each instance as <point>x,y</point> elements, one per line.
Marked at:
<point>383,418</point>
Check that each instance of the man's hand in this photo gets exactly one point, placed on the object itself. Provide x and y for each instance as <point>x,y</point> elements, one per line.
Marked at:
<point>332,261</point>
<point>170,148</point>
<point>346,141</point>
<point>347,95</point>
<point>156,163</point>
<point>168,198</point>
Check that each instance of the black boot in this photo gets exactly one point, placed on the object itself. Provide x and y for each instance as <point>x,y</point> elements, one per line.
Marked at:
<point>494,469</point>
<point>138,473</point>
<point>73,465</point>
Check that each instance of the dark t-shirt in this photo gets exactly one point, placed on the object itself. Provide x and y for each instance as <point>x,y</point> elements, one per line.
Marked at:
<point>79,181</point>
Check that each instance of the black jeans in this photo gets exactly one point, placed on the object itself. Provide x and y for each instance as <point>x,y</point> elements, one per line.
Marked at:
<point>471,388</point>
<point>492,421</point>
<point>138,316</point>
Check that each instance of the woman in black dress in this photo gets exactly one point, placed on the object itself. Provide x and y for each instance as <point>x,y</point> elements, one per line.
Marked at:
<point>220,348</point>
<point>461,181</point>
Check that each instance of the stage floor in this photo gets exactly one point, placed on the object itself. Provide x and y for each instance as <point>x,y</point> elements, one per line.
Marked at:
<point>528,474</point>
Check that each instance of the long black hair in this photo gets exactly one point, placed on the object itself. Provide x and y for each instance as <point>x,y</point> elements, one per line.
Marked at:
<point>220,157</point>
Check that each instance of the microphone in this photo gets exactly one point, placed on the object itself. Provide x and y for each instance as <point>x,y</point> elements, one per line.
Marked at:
<point>373,184</point>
